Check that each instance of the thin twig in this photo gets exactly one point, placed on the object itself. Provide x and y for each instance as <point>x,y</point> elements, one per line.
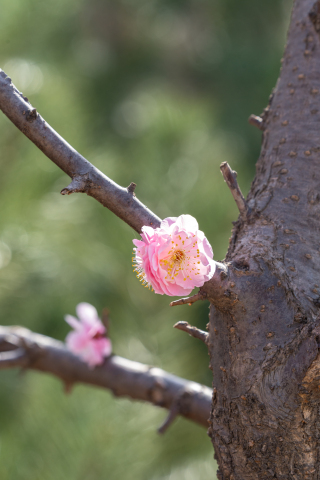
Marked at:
<point>189,300</point>
<point>123,377</point>
<point>256,121</point>
<point>85,177</point>
<point>192,331</point>
<point>230,177</point>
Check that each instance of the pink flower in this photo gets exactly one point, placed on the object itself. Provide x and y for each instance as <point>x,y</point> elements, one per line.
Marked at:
<point>174,258</point>
<point>88,339</point>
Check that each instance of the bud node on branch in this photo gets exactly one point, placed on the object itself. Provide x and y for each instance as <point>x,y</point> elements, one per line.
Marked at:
<point>131,188</point>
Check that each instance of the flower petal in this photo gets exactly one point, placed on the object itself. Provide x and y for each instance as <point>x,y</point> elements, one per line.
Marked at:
<point>73,322</point>
<point>87,313</point>
<point>167,222</point>
<point>188,223</point>
<point>86,341</point>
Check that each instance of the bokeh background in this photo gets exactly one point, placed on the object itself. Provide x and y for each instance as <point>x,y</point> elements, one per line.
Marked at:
<point>152,91</point>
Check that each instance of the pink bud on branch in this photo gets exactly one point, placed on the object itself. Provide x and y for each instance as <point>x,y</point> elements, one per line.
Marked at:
<point>88,340</point>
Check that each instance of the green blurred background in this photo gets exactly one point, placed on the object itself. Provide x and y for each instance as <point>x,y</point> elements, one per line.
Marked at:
<point>157,92</point>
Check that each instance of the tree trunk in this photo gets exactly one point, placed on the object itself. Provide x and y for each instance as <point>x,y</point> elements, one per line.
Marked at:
<point>264,329</point>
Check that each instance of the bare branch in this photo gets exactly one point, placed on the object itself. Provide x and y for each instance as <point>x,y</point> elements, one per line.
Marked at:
<point>256,121</point>
<point>123,377</point>
<point>230,177</point>
<point>189,300</point>
<point>193,331</point>
<point>85,177</point>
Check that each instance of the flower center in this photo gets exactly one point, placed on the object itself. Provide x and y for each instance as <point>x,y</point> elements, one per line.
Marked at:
<point>178,257</point>
<point>97,336</point>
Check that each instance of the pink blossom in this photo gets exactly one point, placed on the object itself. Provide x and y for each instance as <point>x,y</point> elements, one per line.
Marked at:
<point>88,339</point>
<point>175,257</point>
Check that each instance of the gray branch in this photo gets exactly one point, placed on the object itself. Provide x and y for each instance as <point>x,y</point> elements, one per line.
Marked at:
<point>21,347</point>
<point>85,177</point>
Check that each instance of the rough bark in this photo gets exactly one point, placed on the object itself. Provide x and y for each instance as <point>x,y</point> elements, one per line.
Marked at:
<point>264,329</point>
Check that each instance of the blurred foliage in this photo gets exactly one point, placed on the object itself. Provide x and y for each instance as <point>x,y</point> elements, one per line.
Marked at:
<point>155,92</point>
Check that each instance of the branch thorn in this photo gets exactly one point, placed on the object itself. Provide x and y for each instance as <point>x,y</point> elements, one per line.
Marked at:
<point>189,300</point>
<point>78,184</point>
<point>173,413</point>
<point>192,331</point>
<point>230,177</point>
<point>67,387</point>
<point>256,121</point>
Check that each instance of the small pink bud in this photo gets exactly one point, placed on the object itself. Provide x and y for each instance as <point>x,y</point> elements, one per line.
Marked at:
<point>88,340</point>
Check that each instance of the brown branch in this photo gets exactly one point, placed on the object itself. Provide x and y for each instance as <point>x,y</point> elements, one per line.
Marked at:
<point>123,377</point>
<point>192,331</point>
<point>189,300</point>
<point>85,177</point>
<point>230,177</point>
<point>256,121</point>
